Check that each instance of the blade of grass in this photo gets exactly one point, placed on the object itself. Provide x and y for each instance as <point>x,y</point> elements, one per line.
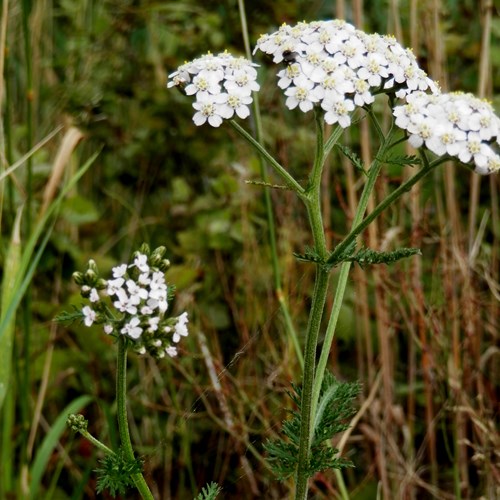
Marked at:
<point>28,262</point>
<point>11,270</point>
<point>49,443</point>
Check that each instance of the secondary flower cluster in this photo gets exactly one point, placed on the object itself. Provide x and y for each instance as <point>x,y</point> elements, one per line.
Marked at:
<point>222,86</point>
<point>134,303</point>
<point>339,67</point>
<point>457,124</point>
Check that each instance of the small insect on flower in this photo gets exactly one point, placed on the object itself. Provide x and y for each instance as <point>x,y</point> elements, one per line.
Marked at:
<point>289,57</point>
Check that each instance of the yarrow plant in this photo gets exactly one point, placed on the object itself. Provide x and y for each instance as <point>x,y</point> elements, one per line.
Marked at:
<point>132,306</point>
<point>337,71</point>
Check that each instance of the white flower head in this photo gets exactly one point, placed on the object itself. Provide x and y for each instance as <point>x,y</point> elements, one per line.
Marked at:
<point>222,87</point>
<point>455,124</point>
<point>334,65</point>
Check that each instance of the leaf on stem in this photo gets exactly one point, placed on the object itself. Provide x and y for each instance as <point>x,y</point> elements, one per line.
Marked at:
<point>269,185</point>
<point>367,256</point>
<point>310,255</point>
<point>334,409</point>
<point>209,492</point>
<point>116,473</point>
<point>353,157</point>
<point>403,160</point>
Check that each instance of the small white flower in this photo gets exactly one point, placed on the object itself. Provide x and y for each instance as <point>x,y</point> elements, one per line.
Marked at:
<point>132,328</point>
<point>114,286</point>
<point>108,329</point>
<point>301,95</point>
<point>208,109</point>
<point>135,291</point>
<point>89,316</point>
<point>337,111</point>
<point>144,279</point>
<point>235,104</point>
<point>94,296</point>
<point>119,271</point>
<point>141,262</point>
<point>171,351</point>
<point>125,303</point>
<point>180,329</point>
<point>153,323</point>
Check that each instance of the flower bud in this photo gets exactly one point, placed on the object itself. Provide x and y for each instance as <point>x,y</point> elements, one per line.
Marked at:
<point>77,422</point>
<point>101,284</point>
<point>157,255</point>
<point>144,248</point>
<point>90,276</point>
<point>78,278</point>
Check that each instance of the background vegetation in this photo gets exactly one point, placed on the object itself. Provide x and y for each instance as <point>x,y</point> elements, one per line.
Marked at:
<point>422,336</point>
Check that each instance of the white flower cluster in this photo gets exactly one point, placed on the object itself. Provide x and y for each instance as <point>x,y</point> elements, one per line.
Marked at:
<point>455,124</point>
<point>339,67</point>
<point>222,86</point>
<point>134,302</point>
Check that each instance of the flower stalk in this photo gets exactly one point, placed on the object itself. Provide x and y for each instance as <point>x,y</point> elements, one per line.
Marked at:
<point>121,404</point>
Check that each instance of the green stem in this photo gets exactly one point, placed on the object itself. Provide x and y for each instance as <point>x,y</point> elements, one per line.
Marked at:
<point>313,204</point>
<point>290,182</point>
<point>121,403</point>
<point>96,442</point>
<point>306,428</point>
<point>358,227</point>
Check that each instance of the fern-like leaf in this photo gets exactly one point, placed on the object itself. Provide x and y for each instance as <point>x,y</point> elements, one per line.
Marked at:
<point>353,157</point>
<point>115,473</point>
<point>310,255</point>
<point>403,160</point>
<point>367,256</point>
<point>334,409</point>
<point>209,492</point>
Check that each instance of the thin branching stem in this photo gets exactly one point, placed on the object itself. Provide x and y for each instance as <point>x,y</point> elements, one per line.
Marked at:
<point>121,403</point>
<point>290,182</point>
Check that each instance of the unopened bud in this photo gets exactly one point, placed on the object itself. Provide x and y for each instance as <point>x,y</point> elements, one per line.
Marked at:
<point>78,278</point>
<point>77,422</point>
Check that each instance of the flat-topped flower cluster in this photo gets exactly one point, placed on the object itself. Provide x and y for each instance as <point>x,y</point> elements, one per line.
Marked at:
<point>332,66</point>
<point>339,67</point>
<point>134,303</point>
<point>222,86</point>
<point>455,124</point>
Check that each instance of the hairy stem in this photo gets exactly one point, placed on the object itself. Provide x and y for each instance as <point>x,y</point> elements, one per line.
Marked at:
<point>121,403</point>
<point>313,204</point>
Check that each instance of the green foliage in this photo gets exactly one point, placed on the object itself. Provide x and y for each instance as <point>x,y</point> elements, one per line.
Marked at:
<point>209,492</point>
<point>352,156</point>
<point>310,255</point>
<point>403,160</point>
<point>115,473</point>
<point>367,256</point>
<point>335,407</point>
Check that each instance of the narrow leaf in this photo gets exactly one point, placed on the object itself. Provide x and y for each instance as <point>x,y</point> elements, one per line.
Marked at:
<point>11,269</point>
<point>50,442</point>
